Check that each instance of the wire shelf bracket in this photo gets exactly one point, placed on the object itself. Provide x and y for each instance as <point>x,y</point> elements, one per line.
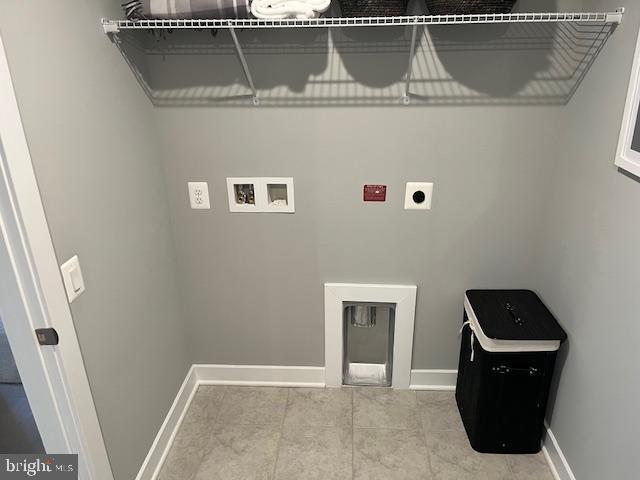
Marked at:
<point>406,99</point>
<point>113,27</point>
<point>245,67</point>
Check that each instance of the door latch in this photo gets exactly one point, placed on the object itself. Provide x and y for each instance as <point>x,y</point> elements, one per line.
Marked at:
<point>47,336</point>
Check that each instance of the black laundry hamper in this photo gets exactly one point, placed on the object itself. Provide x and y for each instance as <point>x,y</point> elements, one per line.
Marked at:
<point>510,341</point>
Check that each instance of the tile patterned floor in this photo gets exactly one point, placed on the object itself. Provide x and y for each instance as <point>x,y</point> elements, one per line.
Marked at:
<point>266,433</point>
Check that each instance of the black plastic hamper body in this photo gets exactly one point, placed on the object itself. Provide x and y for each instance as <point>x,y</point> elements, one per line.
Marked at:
<point>509,346</point>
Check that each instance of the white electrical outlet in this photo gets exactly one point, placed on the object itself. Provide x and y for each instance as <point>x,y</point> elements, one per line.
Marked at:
<point>199,195</point>
<point>418,196</point>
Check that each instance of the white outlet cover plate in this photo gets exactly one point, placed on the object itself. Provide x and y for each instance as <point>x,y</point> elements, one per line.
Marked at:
<point>199,195</point>
<point>72,278</point>
<point>413,187</point>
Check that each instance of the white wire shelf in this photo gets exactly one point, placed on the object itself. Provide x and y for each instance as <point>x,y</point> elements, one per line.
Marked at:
<point>115,26</point>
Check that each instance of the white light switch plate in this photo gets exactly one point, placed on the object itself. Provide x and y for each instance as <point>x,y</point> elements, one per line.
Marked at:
<point>199,195</point>
<point>72,277</point>
<point>418,196</point>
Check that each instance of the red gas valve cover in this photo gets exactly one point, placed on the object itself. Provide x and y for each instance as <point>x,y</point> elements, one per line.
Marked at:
<point>374,193</point>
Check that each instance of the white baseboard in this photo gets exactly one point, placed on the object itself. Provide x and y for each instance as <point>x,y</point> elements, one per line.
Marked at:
<point>162,443</point>
<point>288,376</point>
<point>433,379</point>
<point>260,375</point>
<point>555,458</point>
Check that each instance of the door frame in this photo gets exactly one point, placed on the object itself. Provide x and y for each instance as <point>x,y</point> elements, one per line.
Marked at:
<point>54,377</point>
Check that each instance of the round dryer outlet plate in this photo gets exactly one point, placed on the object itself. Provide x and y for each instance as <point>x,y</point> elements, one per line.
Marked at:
<point>418,196</point>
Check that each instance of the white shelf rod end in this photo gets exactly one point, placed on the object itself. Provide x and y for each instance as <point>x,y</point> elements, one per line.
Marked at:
<point>615,17</point>
<point>110,27</point>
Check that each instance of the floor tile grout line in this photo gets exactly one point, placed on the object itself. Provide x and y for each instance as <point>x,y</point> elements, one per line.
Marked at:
<point>353,435</point>
<point>284,415</point>
<point>210,431</point>
<point>424,438</point>
<point>392,429</point>
<point>216,420</point>
<point>395,429</point>
<point>257,424</point>
<point>512,474</point>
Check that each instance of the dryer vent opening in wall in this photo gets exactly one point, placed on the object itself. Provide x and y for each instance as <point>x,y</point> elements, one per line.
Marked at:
<point>368,343</point>
<point>277,194</point>
<point>368,334</point>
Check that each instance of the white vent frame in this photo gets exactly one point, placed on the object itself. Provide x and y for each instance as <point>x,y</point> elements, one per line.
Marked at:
<point>403,296</point>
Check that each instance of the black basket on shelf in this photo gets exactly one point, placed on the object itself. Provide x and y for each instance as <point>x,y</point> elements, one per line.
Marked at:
<point>373,8</point>
<point>469,7</point>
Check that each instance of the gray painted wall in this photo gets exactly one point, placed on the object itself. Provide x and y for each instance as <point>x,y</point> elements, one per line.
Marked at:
<point>93,147</point>
<point>253,283</point>
<point>589,270</point>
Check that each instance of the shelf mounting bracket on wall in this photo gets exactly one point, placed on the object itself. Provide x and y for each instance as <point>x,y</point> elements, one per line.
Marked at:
<point>245,67</point>
<point>616,16</point>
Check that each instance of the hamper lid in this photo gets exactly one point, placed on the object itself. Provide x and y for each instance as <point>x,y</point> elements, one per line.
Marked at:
<point>512,320</point>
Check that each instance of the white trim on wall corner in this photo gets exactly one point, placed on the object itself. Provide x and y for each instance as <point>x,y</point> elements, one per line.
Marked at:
<point>164,439</point>
<point>433,379</point>
<point>555,458</point>
<point>260,375</point>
